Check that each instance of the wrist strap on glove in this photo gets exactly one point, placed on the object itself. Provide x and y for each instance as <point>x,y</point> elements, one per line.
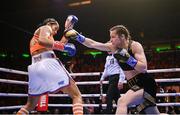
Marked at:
<point>80,38</point>
<point>131,61</point>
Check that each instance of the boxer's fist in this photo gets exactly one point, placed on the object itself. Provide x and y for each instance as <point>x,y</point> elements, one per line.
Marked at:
<point>73,34</point>
<point>70,21</point>
<point>70,49</point>
<point>70,34</point>
<point>123,56</point>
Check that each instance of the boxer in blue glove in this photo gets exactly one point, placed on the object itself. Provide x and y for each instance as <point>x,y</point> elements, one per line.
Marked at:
<point>131,58</point>
<point>46,73</point>
<point>71,20</point>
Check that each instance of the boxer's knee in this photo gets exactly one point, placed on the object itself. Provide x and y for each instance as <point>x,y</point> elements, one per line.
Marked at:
<point>122,101</point>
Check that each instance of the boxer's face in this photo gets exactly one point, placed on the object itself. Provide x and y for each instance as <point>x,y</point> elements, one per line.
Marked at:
<point>55,28</point>
<point>116,40</point>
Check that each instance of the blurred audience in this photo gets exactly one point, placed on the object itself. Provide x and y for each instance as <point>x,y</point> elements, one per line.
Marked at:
<point>89,63</point>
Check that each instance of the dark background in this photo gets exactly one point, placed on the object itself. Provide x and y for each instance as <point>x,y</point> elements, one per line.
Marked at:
<point>158,20</point>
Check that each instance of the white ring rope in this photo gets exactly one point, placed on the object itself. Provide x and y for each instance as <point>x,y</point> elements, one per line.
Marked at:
<point>85,105</point>
<point>13,71</point>
<point>104,105</point>
<point>87,82</point>
<point>83,95</point>
<point>11,107</point>
<point>13,81</point>
<point>93,73</point>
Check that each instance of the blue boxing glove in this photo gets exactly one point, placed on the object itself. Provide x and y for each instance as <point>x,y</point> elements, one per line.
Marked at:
<point>70,49</point>
<point>123,56</point>
<point>70,21</point>
<point>73,34</point>
<point>73,18</point>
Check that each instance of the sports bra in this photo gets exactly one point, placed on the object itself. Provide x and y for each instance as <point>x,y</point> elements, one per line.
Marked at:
<point>36,46</point>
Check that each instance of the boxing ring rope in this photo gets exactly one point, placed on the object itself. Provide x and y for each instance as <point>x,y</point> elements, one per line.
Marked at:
<point>83,95</point>
<point>86,83</point>
<point>93,73</point>
<point>13,71</point>
<point>85,105</point>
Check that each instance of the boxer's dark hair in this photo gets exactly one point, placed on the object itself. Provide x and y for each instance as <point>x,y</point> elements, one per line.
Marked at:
<point>48,21</point>
<point>120,29</point>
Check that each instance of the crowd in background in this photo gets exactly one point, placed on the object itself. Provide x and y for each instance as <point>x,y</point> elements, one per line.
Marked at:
<point>88,63</point>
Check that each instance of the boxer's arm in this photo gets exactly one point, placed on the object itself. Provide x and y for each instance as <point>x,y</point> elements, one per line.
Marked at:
<point>70,21</point>
<point>69,24</point>
<point>69,47</point>
<point>140,56</point>
<point>44,35</point>
<point>138,62</point>
<point>73,34</point>
<point>43,39</point>
<point>64,40</point>
<point>97,45</point>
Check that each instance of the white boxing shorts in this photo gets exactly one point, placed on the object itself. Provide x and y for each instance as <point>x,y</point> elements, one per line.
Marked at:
<point>46,74</point>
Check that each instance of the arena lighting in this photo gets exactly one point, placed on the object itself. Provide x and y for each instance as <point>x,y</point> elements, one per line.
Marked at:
<point>159,49</point>
<point>3,55</point>
<point>80,3</point>
<point>178,47</point>
<point>64,53</point>
<point>93,53</point>
<point>25,55</point>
